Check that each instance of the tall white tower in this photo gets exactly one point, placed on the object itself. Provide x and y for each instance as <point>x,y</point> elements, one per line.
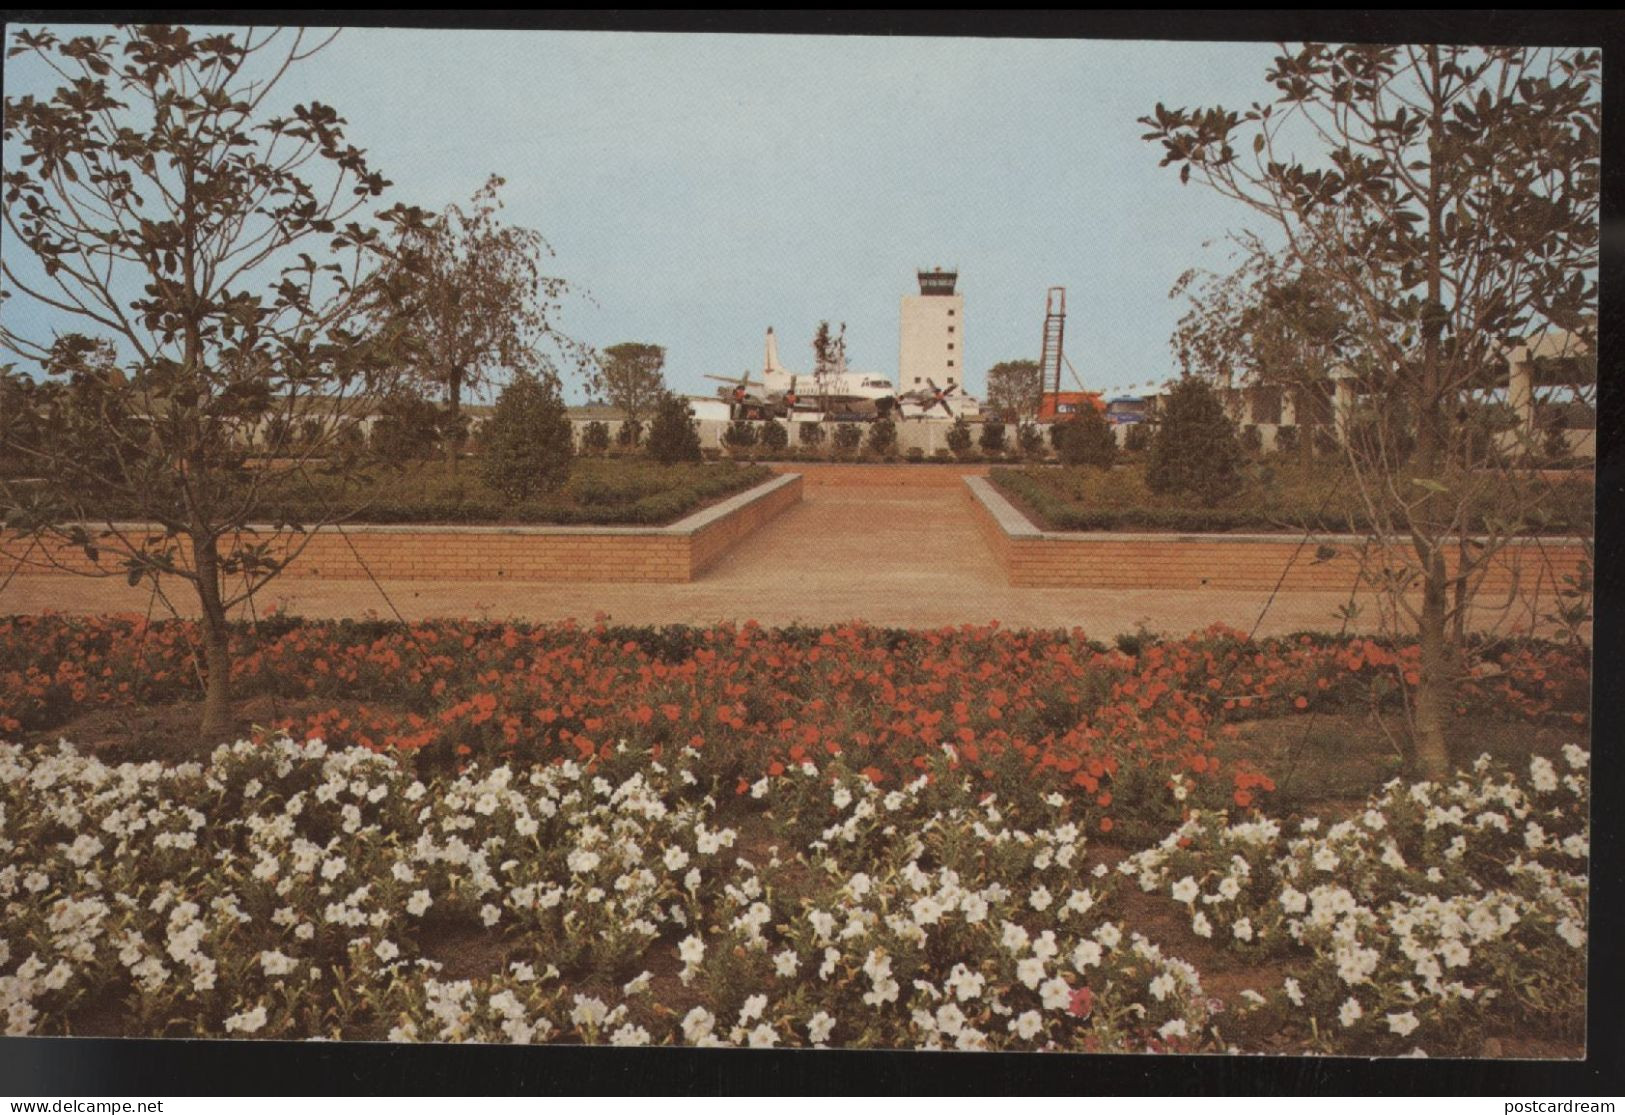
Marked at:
<point>932,345</point>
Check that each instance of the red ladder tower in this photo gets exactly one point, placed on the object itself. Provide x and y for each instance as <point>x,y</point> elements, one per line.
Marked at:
<point>1054,331</point>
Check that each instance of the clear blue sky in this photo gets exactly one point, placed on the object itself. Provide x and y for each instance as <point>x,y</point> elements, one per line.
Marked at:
<point>703,187</point>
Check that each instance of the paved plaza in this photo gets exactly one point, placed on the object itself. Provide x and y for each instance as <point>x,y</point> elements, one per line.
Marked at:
<point>894,547</point>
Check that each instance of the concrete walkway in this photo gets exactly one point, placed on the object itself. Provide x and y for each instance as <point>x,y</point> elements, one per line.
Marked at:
<point>893,546</point>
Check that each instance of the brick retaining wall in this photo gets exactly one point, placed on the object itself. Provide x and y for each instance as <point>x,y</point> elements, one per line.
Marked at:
<point>676,553</point>
<point>837,475</point>
<point>1036,558</point>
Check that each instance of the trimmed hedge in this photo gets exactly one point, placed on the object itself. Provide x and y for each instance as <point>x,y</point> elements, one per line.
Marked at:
<point>1052,497</point>
<point>614,492</point>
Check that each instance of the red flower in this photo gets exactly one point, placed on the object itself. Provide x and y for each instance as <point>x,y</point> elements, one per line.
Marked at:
<point>1081,1004</point>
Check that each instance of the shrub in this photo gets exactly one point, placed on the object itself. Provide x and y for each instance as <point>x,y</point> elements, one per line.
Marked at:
<point>914,454</point>
<point>527,441</point>
<point>941,455</point>
<point>740,434</point>
<point>407,428</point>
<point>847,436</point>
<point>883,437</point>
<point>629,434</point>
<point>1286,439</point>
<point>1085,439</point>
<point>595,439</point>
<point>1252,439</point>
<point>1194,451</point>
<point>1137,437</point>
<point>672,435</point>
<point>959,439</point>
<point>774,436</point>
<point>992,439</point>
<point>1030,439</point>
<point>1325,442</point>
<point>810,433</point>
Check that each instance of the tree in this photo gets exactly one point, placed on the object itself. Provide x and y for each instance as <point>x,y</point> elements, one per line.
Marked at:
<point>628,376</point>
<point>595,439</point>
<point>1086,438</point>
<point>774,436</point>
<point>829,360</point>
<point>740,434</point>
<point>406,427</point>
<point>959,436</point>
<point>1194,451</point>
<point>527,442</point>
<point>200,267</point>
<point>1263,325</point>
<point>992,437</point>
<point>1030,439</point>
<point>480,307</point>
<point>1014,389</point>
<point>883,437</point>
<point>1448,198</point>
<point>672,437</point>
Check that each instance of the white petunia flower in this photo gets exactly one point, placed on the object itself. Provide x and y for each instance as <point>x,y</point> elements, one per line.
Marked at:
<point>1402,1024</point>
<point>1350,1013</point>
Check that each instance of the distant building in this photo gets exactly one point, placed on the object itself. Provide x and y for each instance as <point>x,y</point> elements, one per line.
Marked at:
<point>932,344</point>
<point>1058,405</point>
<point>1125,410</point>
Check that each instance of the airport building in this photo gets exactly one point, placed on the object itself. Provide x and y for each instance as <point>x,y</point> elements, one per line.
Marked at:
<point>932,342</point>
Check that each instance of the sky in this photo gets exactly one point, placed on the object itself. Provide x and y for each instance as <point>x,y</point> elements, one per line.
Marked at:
<point>696,189</point>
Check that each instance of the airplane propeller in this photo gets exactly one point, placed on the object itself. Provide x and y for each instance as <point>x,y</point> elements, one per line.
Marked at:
<point>740,397</point>
<point>938,397</point>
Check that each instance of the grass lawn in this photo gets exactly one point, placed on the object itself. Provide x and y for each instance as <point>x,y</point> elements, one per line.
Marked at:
<point>1275,495</point>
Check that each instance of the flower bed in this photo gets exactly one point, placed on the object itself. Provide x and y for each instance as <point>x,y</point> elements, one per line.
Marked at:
<point>1023,713</point>
<point>290,890</point>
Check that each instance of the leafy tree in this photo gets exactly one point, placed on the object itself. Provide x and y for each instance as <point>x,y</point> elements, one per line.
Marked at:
<point>774,436</point>
<point>1014,389</point>
<point>1194,451</point>
<point>829,360</point>
<point>528,440</point>
<point>480,306</point>
<point>673,438</point>
<point>629,376</point>
<point>959,436</point>
<point>1263,325</point>
<point>1030,439</point>
<point>406,428</point>
<point>992,437</point>
<point>1448,198</point>
<point>192,267</point>
<point>1085,438</point>
<point>595,439</point>
<point>882,437</point>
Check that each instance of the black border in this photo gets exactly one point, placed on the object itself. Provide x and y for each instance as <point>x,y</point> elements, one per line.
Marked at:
<point>51,1068</point>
